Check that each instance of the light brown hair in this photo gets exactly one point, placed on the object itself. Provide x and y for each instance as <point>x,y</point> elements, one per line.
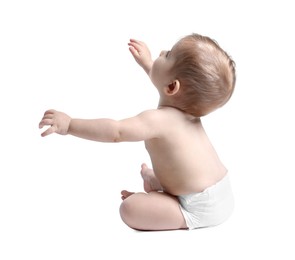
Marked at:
<point>206,74</point>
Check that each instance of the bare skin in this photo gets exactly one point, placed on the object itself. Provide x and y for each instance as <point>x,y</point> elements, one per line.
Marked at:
<point>150,182</point>
<point>183,158</point>
<point>148,211</point>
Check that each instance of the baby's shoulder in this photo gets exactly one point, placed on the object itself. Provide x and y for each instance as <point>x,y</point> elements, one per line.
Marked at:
<point>164,113</point>
<point>175,114</point>
<point>170,116</point>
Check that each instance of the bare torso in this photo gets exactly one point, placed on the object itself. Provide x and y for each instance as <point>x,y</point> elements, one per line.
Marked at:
<point>183,159</point>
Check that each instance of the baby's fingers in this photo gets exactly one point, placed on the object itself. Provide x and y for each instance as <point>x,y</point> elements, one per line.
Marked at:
<point>133,51</point>
<point>136,42</point>
<point>137,45</point>
<point>45,121</point>
<point>49,131</point>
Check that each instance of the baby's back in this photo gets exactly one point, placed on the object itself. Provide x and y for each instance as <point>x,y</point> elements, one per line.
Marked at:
<point>183,157</point>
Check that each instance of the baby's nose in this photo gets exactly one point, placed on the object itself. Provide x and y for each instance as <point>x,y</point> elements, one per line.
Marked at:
<point>162,53</point>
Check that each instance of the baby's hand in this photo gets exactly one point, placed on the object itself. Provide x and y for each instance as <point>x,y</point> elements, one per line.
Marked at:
<point>141,54</point>
<point>59,122</point>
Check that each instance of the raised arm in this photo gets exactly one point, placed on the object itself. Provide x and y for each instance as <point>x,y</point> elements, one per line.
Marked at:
<point>141,54</point>
<point>141,127</point>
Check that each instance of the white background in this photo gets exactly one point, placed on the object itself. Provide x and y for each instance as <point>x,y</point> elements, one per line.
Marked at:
<point>60,196</point>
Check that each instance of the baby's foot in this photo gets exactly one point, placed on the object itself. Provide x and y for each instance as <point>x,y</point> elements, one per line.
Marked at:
<point>125,194</point>
<point>150,182</point>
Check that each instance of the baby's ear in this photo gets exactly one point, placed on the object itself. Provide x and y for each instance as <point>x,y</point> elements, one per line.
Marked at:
<point>172,88</point>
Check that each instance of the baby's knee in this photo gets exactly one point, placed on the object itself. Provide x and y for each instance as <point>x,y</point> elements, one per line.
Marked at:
<point>129,210</point>
<point>126,212</point>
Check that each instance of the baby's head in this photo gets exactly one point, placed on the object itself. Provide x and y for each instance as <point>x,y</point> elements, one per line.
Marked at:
<point>205,72</point>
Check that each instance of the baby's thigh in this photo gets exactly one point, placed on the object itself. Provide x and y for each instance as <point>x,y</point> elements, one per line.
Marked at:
<point>152,211</point>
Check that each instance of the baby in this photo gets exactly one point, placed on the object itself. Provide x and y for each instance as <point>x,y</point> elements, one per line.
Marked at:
<point>188,186</point>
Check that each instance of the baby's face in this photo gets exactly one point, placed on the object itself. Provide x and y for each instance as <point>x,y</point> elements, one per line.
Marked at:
<point>160,72</point>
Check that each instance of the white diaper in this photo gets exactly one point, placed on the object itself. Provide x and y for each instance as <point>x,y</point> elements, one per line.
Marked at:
<point>210,207</point>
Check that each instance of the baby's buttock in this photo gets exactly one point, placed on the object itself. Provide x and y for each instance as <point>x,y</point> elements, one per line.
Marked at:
<point>210,207</point>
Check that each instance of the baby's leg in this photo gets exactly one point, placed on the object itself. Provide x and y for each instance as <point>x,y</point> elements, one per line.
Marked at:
<point>152,211</point>
<point>125,194</point>
<point>150,182</point>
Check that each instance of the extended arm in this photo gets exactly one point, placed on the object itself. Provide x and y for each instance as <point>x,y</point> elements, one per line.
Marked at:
<point>141,127</point>
<point>141,54</point>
